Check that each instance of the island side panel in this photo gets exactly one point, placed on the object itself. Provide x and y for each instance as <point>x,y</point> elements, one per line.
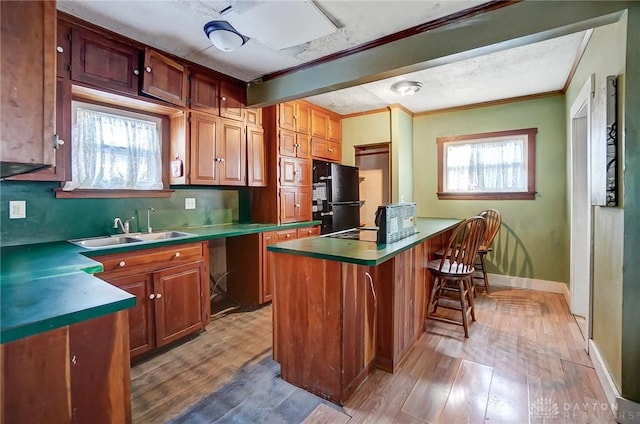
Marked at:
<point>359,331</point>
<point>307,323</point>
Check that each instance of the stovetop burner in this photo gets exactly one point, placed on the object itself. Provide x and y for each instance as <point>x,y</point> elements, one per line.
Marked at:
<point>362,234</point>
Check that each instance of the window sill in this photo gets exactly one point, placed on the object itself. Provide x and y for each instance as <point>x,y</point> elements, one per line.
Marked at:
<point>109,194</point>
<point>487,196</point>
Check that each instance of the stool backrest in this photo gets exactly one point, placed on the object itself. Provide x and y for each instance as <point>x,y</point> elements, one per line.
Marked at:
<point>494,220</point>
<point>463,244</point>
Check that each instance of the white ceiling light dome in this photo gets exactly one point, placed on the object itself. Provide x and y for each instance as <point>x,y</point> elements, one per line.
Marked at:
<point>406,88</point>
<point>224,36</point>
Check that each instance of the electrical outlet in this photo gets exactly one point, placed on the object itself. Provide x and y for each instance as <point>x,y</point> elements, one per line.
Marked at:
<point>189,203</point>
<point>17,209</point>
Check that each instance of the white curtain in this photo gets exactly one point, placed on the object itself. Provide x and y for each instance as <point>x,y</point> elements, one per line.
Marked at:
<point>486,167</point>
<point>114,152</point>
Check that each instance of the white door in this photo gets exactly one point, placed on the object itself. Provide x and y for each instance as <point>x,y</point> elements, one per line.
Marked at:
<point>580,207</point>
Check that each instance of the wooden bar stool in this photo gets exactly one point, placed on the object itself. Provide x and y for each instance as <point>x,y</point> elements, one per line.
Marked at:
<point>494,221</point>
<point>453,273</point>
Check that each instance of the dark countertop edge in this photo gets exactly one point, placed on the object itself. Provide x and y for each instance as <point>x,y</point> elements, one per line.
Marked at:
<point>402,245</point>
<point>30,329</point>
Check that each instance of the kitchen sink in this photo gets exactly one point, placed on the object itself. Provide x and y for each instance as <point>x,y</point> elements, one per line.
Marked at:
<point>105,241</point>
<point>120,240</point>
<point>162,235</point>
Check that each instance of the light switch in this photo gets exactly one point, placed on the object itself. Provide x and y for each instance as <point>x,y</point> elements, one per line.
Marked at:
<point>189,203</point>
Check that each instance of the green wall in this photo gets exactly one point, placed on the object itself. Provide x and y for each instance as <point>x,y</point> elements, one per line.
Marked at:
<point>533,241</point>
<point>51,219</point>
<point>605,55</point>
<point>402,155</point>
<point>365,129</point>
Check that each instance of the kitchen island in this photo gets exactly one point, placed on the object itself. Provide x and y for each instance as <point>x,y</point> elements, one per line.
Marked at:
<point>342,307</point>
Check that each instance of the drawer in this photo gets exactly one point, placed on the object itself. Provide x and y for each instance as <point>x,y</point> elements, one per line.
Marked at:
<point>151,259</point>
<point>309,231</point>
<point>284,235</point>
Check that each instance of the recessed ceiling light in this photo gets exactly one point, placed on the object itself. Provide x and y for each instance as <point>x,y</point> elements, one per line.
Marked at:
<point>406,88</point>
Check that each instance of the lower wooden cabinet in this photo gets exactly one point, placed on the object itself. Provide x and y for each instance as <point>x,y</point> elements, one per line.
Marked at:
<point>250,279</point>
<point>295,204</point>
<point>172,295</point>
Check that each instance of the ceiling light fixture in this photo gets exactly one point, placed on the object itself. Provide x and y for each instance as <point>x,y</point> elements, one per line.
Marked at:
<point>406,88</point>
<point>224,36</point>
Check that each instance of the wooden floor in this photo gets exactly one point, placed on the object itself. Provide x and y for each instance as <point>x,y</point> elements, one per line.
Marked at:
<point>523,363</point>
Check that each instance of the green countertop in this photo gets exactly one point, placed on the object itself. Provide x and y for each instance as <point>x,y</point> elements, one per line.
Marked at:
<point>362,252</point>
<point>48,285</point>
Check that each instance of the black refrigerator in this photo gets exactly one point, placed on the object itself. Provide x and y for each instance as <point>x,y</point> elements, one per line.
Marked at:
<point>336,196</point>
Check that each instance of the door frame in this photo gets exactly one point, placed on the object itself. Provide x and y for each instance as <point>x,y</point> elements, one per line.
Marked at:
<point>584,100</point>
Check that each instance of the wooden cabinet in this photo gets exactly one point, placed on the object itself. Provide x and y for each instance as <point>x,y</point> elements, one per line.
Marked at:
<point>164,78</point>
<point>232,100</point>
<point>28,69</point>
<point>309,231</point>
<point>295,116</point>
<point>295,172</point>
<point>319,123</point>
<point>324,324</point>
<point>253,117</point>
<point>326,149</point>
<point>204,93</point>
<point>303,118</point>
<point>74,374</point>
<point>256,153</point>
<point>295,204</point>
<point>103,62</point>
<point>293,144</point>
<point>218,151</point>
<point>171,285</point>
<point>334,131</point>
<point>286,116</point>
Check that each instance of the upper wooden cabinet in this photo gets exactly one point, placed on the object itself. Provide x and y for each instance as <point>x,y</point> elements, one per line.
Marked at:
<point>295,116</point>
<point>164,78</point>
<point>103,62</point>
<point>28,69</point>
<point>205,93</point>
<point>256,153</point>
<point>253,117</point>
<point>218,151</point>
<point>334,132</point>
<point>319,123</point>
<point>232,100</point>
<point>293,144</point>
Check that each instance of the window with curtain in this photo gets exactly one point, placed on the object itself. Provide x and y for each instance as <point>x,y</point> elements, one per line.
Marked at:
<point>113,149</point>
<point>498,165</point>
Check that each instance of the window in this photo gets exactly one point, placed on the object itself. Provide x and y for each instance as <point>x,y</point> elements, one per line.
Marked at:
<point>497,165</point>
<point>115,150</point>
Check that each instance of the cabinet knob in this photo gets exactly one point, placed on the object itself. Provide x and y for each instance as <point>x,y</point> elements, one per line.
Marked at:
<point>309,231</point>
<point>122,263</point>
<point>288,235</point>
<point>148,69</point>
<point>60,142</point>
<point>330,149</point>
<point>136,72</point>
<point>297,205</point>
<point>158,296</point>
<point>221,159</point>
<point>60,49</point>
<point>152,296</point>
<point>223,98</point>
<point>177,255</point>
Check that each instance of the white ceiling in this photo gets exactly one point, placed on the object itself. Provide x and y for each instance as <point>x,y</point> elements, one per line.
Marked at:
<point>176,26</point>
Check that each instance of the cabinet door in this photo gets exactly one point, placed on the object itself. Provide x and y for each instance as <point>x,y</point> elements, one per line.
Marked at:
<point>287,116</point>
<point>141,316</point>
<point>304,172</point>
<point>164,78</point>
<point>288,171</point>
<point>204,134</point>
<point>288,207</point>
<point>325,149</point>
<point>334,131</point>
<point>309,231</point>
<point>303,204</point>
<point>303,146</point>
<point>319,123</point>
<point>253,117</point>
<point>303,118</point>
<point>231,101</point>
<point>287,142</point>
<point>256,168</point>
<point>205,92</point>
<point>231,149</point>
<point>179,301</point>
<point>104,63</point>
<point>285,235</point>
<point>28,69</point>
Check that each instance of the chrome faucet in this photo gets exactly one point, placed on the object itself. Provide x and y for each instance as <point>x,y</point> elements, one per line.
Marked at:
<point>149,219</point>
<point>124,226</point>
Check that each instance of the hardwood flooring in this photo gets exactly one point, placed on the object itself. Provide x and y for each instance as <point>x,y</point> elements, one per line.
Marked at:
<point>524,362</point>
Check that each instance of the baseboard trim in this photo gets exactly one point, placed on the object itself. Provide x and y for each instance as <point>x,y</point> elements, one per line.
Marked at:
<point>530,283</point>
<point>625,410</point>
